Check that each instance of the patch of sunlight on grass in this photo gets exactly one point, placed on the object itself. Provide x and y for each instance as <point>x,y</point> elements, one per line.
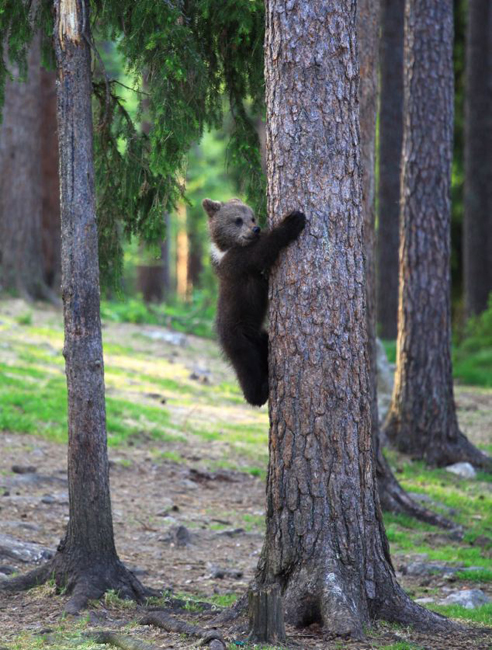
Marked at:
<point>481,614</point>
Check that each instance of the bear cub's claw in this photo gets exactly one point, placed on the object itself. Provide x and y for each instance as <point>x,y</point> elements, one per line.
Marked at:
<point>295,222</point>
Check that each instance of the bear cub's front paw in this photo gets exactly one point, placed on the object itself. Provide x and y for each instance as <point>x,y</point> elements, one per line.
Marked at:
<point>295,222</point>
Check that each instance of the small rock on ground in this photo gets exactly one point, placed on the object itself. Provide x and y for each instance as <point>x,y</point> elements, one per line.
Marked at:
<point>467,598</point>
<point>464,470</point>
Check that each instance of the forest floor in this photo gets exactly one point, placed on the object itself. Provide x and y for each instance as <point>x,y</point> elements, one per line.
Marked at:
<point>188,463</point>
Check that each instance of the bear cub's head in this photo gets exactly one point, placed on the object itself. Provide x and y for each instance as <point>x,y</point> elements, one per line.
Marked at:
<point>231,224</point>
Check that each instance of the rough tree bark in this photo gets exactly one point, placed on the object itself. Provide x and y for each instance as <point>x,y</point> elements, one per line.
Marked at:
<point>86,563</point>
<point>422,418</point>
<point>390,141</point>
<point>392,496</point>
<point>325,544</point>
<point>477,225</point>
<point>21,269</point>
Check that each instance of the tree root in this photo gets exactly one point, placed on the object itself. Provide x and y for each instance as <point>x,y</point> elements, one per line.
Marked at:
<point>34,578</point>
<point>394,499</point>
<point>166,622</point>
<point>458,451</point>
<point>83,584</point>
<point>403,611</point>
<point>119,641</point>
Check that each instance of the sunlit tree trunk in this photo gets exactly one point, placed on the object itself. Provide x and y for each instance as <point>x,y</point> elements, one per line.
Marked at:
<point>393,497</point>
<point>325,545</point>
<point>390,141</point>
<point>477,242</point>
<point>422,418</point>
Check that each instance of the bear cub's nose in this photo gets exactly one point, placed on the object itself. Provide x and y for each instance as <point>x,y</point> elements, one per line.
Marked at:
<point>256,229</point>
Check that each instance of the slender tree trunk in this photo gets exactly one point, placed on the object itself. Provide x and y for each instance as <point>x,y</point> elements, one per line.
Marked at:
<point>390,141</point>
<point>392,495</point>
<point>86,563</point>
<point>325,544</point>
<point>51,238</point>
<point>21,268</point>
<point>422,418</point>
<point>477,251</point>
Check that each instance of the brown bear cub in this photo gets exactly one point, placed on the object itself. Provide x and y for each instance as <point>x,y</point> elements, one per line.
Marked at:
<point>242,255</point>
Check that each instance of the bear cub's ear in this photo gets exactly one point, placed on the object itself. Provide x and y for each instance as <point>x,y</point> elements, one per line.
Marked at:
<point>211,207</point>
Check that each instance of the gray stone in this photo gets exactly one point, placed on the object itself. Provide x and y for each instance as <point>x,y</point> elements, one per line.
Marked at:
<point>28,552</point>
<point>219,573</point>
<point>464,470</point>
<point>174,338</point>
<point>424,601</point>
<point>426,568</point>
<point>467,598</point>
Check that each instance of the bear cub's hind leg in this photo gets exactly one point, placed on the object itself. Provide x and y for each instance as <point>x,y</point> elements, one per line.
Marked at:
<point>250,360</point>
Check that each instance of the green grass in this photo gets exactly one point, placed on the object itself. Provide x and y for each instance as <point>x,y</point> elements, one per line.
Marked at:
<point>481,614</point>
<point>472,502</point>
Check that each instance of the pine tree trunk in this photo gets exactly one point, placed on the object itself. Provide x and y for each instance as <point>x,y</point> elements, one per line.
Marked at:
<point>21,269</point>
<point>392,495</point>
<point>325,544</point>
<point>477,242</point>
<point>51,237</point>
<point>86,563</point>
<point>422,419</point>
<point>390,141</point>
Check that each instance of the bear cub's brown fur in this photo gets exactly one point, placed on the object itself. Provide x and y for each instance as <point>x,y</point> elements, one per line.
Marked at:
<point>242,255</point>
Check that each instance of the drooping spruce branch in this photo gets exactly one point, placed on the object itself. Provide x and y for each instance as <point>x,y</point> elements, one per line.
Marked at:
<point>197,56</point>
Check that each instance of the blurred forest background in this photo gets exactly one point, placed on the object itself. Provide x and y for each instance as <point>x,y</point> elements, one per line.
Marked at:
<point>169,280</point>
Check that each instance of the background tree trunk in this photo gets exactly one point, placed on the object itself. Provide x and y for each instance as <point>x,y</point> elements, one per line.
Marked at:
<point>393,497</point>
<point>51,237</point>
<point>325,544</point>
<point>21,269</point>
<point>390,141</point>
<point>422,418</point>
<point>477,226</point>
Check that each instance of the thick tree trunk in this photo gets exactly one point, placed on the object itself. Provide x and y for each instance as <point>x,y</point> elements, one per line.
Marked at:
<point>21,269</point>
<point>325,544</point>
<point>390,141</point>
<point>477,244</point>
<point>86,563</point>
<point>422,418</point>
<point>51,238</point>
<point>391,494</point>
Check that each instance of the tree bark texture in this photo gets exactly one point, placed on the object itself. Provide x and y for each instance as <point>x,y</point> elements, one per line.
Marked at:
<point>390,142</point>
<point>477,224</point>
<point>422,418</point>
<point>392,495</point>
<point>368,38</point>
<point>21,269</point>
<point>325,544</point>
<point>51,238</point>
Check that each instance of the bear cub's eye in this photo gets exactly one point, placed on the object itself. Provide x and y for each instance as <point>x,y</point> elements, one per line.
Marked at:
<point>239,221</point>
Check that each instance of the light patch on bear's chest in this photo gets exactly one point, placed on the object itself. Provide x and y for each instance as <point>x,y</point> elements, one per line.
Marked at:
<point>216,254</point>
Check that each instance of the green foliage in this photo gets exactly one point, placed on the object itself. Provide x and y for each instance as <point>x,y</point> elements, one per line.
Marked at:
<point>191,56</point>
<point>473,355</point>
<point>184,61</point>
<point>19,21</point>
<point>196,317</point>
